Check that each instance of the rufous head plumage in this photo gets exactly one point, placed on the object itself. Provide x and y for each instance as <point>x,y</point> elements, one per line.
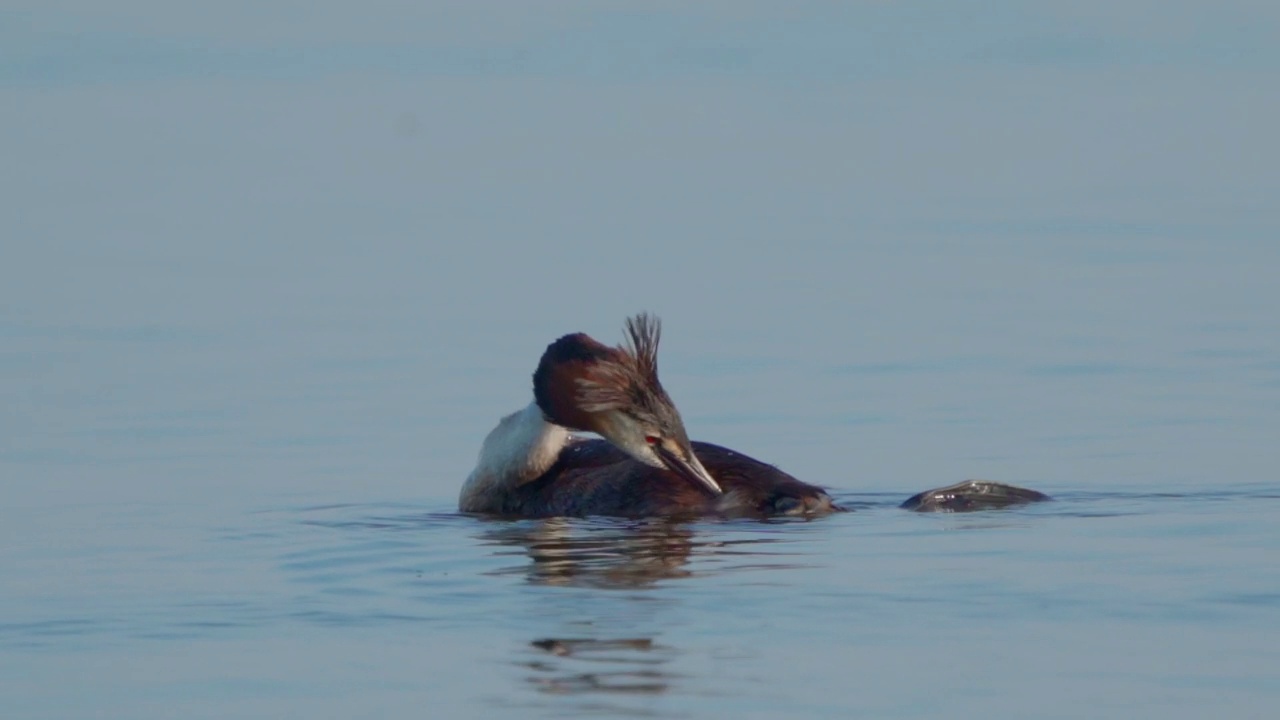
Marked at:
<point>583,384</point>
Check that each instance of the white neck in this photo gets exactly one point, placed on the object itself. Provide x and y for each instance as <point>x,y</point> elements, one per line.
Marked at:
<point>520,449</point>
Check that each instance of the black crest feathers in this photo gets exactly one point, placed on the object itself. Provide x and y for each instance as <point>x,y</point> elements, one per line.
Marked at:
<point>644,331</point>
<point>579,375</point>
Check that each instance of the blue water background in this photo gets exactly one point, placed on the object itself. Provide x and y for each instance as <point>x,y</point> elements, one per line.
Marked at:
<point>270,271</point>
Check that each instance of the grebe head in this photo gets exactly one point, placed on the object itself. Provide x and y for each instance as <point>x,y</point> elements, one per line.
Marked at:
<point>586,385</point>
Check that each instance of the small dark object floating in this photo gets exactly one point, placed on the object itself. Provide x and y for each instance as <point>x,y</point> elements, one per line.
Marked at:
<point>569,646</point>
<point>972,495</point>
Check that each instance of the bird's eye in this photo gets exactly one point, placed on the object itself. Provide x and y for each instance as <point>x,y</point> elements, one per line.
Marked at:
<point>651,439</point>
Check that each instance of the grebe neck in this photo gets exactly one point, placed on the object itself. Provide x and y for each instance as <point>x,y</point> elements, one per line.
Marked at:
<point>520,449</point>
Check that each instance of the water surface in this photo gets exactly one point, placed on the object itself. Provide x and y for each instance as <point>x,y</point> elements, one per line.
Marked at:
<point>268,277</point>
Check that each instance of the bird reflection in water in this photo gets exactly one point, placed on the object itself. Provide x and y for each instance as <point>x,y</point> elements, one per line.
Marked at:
<point>611,555</point>
<point>606,554</point>
<point>630,666</point>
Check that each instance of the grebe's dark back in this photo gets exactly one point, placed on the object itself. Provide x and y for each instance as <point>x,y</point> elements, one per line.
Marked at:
<point>531,466</point>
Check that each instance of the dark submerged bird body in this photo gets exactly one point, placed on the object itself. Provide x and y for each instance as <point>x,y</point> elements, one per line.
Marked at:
<point>592,477</point>
<point>972,495</point>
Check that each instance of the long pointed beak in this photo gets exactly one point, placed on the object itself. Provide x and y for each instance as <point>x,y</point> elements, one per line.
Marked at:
<point>690,470</point>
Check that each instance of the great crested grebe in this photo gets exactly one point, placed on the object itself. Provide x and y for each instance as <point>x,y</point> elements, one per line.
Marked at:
<point>532,466</point>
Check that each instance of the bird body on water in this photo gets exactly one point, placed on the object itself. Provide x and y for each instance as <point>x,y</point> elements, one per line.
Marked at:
<point>532,465</point>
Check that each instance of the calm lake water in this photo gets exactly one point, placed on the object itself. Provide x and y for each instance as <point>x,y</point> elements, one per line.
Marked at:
<point>268,277</point>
